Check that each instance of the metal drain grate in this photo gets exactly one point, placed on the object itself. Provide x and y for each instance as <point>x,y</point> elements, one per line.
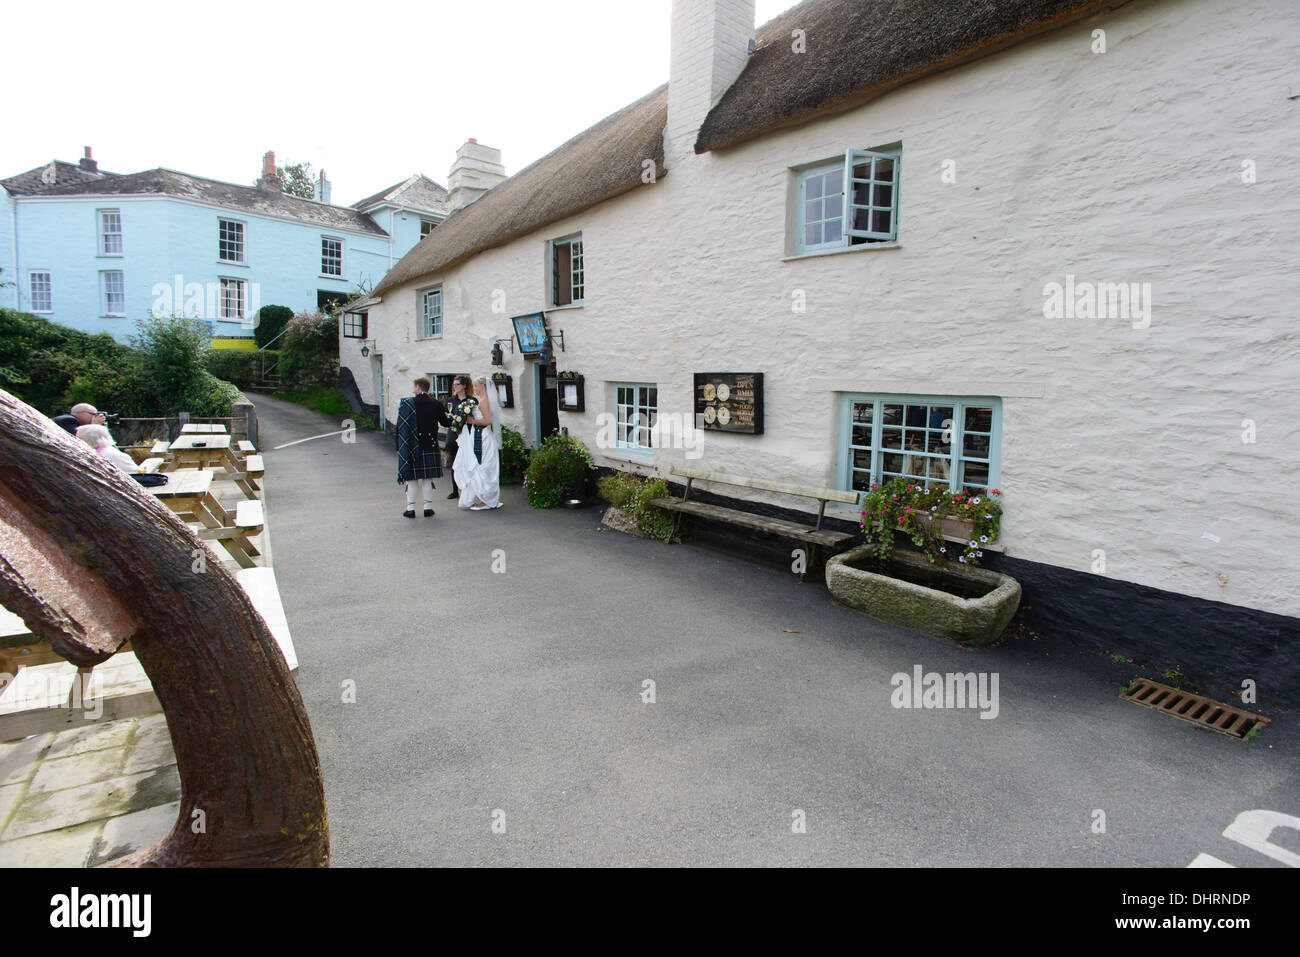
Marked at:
<point>1206,712</point>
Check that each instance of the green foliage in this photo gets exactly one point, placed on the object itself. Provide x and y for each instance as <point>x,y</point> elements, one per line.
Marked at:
<point>236,366</point>
<point>618,489</point>
<point>908,507</point>
<point>173,354</point>
<point>632,494</point>
<point>558,467</point>
<point>297,179</point>
<point>51,367</point>
<point>271,321</point>
<point>309,352</point>
<point>514,456</point>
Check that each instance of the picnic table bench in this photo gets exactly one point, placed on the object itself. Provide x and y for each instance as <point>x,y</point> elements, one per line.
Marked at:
<point>202,428</point>
<point>214,451</point>
<point>812,535</point>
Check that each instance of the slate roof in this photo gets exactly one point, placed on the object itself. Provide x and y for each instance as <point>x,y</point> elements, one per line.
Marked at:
<point>418,192</point>
<point>856,50</point>
<point>33,181</point>
<point>244,199</point>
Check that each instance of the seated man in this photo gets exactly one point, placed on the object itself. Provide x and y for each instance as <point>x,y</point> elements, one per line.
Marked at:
<point>97,437</point>
<point>83,413</point>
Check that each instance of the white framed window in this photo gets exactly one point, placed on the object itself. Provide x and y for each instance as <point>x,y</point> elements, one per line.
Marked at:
<point>636,407</point>
<point>567,273</point>
<point>848,201</point>
<point>230,241</point>
<point>426,226</point>
<point>110,232</point>
<point>234,299</point>
<point>112,292</point>
<point>331,256</point>
<point>41,290</point>
<point>431,313</point>
<point>948,441</point>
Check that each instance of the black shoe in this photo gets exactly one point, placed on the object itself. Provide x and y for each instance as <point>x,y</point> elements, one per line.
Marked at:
<point>428,512</point>
<point>454,495</point>
<point>409,513</point>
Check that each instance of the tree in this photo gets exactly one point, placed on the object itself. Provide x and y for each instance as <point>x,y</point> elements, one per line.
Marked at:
<point>297,179</point>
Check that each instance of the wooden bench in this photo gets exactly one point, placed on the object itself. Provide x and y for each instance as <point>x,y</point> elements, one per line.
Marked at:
<point>245,447</point>
<point>249,521</point>
<point>247,479</point>
<point>161,449</point>
<point>152,465</point>
<point>813,535</point>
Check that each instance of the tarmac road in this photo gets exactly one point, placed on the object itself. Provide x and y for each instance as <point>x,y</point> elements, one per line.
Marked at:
<point>498,717</point>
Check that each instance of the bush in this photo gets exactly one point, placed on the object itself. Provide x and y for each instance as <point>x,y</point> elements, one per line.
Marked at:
<point>271,321</point>
<point>309,352</point>
<point>557,468</point>
<point>240,368</point>
<point>514,456</point>
<point>50,367</point>
<point>173,360</point>
<point>631,494</point>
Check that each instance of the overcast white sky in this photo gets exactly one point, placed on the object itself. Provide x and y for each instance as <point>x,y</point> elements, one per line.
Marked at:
<point>371,91</point>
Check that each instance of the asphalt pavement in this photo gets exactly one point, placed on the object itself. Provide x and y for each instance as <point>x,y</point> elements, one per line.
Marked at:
<point>500,716</point>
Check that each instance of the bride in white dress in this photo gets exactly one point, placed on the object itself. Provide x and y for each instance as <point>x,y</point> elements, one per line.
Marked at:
<point>480,482</point>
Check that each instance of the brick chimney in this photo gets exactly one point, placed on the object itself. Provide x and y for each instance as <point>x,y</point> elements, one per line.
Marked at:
<point>269,179</point>
<point>710,46</point>
<point>322,189</point>
<point>476,170</point>
<point>88,163</point>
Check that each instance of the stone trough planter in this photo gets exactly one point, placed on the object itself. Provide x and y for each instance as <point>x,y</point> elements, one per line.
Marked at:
<point>969,606</point>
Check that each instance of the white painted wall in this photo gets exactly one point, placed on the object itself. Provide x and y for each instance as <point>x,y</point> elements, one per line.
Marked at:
<point>1117,167</point>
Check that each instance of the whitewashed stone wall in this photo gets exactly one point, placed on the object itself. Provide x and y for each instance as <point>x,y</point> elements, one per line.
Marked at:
<point>1123,166</point>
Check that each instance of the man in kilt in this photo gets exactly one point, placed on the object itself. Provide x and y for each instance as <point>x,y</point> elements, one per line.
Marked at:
<point>419,460</point>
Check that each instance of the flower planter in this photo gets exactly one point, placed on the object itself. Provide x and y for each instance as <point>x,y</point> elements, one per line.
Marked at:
<point>968,606</point>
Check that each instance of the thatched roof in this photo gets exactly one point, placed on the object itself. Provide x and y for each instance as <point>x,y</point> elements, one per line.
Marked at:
<point>594,166</point>
<point>856,49</point>
<point>859,49</point>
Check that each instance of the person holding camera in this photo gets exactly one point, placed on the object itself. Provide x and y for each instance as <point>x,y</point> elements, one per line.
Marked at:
<point>83,413</point>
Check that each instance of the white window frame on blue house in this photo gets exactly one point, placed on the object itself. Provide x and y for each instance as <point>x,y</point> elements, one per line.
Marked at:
<point>326,259</point>
<point>576,282</point>
<point>936,453</point>
<point>853,204</point>
<point>232,308</point>
<point>431,313</point>
<point>105,292</point>
<point>223,240</point>
<point>40,290</point>
<point>635,416</point>
<point>110,237</point>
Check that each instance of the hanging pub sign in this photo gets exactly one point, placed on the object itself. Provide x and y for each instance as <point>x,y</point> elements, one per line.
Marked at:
<point>729,402</point>
<point>531,332</point>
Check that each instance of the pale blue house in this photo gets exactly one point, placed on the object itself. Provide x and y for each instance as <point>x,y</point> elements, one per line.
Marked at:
<point>97,250</point>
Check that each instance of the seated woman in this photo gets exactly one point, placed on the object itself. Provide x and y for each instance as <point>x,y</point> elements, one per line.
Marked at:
<point>99,439</point>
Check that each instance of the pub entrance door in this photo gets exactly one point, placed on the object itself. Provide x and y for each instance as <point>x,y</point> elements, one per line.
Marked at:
<point>547,412</point>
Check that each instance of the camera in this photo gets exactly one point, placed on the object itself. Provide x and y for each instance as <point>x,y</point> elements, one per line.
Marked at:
<point>112,418</point>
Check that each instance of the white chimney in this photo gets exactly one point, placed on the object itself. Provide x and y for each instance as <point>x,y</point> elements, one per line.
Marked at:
<point>710,46</point>
<point>322,189</point>
<point>476,170</point>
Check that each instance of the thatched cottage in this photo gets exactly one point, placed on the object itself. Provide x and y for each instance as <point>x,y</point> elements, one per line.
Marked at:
<point>1066,227</point>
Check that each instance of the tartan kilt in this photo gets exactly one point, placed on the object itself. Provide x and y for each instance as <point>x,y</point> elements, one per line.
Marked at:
<point>424,465</point>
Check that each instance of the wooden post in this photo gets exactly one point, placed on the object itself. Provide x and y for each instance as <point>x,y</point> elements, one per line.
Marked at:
<point>89,560</point>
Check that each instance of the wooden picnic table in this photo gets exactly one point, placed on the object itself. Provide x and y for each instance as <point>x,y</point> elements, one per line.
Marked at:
<point>204,451</point>
<point>203,428</point>
<point>189,495</point>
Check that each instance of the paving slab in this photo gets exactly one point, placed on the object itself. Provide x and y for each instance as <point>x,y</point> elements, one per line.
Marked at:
<point>91,737</point>
<point>133,832</point>
<point>76,770</point>
<point>18,758</point>
<point>69,847</point>
<point>70,807</point>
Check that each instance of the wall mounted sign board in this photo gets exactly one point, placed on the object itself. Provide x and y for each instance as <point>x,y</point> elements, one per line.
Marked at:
<point>531,332</point>
<point>571,393</point>
<point>729,402</point>
<point>505,390</point>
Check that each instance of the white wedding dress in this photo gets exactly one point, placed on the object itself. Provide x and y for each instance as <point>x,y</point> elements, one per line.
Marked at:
<point>478,481</point>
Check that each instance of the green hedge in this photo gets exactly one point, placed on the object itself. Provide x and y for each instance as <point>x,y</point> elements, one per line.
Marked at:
<point>559,466</point>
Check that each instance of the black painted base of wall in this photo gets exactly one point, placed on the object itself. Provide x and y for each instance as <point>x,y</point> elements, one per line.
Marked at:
<point>1209,647</point>
<point>348,386</point>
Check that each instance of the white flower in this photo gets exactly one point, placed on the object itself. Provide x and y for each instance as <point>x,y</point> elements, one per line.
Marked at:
<point>975,501</point>
<point>974,544</point>
<point>984,538</point>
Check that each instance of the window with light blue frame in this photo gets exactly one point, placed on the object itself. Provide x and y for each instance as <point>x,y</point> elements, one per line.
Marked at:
<point>431,313</point>
<point>636,407</point>
<point>933,440</point>
<point>849,201</point>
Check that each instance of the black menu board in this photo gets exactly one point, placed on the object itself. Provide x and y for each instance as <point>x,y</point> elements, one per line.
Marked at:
<point>729,402</point>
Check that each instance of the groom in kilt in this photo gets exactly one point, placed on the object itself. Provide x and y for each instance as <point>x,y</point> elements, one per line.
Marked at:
<point>419,460</point>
